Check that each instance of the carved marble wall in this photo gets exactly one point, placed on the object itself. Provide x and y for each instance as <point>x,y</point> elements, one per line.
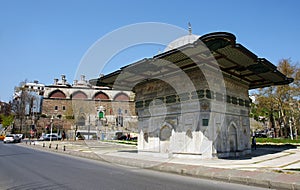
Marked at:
<point>202,123</point>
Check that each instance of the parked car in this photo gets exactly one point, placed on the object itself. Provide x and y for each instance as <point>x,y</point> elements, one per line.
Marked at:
<point>21,136</point>
<point>18,138</point>
<point>12,139</point>
<point>47,137</point>
<point>260,134</point>
<point>127,136</point>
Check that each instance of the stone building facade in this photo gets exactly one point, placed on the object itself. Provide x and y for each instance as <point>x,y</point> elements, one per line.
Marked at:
<point>5,108</point>
<point>192,100</point>
<point>75,108</point>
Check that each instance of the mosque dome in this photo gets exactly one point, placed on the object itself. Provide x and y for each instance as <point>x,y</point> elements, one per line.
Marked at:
<point>184,40</point>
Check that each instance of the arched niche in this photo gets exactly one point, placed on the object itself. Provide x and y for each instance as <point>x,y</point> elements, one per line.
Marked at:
<point>57,94</point>
<point>101,96</point>
<point>121,97</point>
<point>232,137</point>
<point>79,95</point>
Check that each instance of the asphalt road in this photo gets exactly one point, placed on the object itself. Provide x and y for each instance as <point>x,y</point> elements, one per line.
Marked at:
<point>27,169</point>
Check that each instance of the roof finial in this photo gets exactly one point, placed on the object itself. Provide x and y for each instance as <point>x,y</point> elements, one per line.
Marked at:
<point>190,28</point>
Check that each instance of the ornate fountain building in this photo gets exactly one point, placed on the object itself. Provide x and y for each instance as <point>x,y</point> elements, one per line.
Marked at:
<point>192,100</point>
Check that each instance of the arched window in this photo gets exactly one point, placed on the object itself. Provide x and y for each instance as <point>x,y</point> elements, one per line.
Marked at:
<point>57,94</point>
<point>81,120</point>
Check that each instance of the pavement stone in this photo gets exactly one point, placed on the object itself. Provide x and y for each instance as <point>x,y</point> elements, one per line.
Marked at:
<point>266,168</point>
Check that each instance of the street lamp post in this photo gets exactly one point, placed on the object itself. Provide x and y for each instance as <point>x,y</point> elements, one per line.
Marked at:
<point>32,129</point>
<point>291,119</point>
<point>26,125</point>
<point>291,129</point>
<point>51,126</point>
<point>89,128</point>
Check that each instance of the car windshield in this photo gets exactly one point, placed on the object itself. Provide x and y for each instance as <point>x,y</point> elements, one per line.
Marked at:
<point>9,136</point>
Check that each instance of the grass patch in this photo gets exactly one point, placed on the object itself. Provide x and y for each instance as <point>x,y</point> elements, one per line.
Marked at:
<point>277,141</point>
<point>294,169</point>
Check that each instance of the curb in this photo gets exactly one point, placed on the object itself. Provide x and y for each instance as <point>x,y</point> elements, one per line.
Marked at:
<point>251,178</point>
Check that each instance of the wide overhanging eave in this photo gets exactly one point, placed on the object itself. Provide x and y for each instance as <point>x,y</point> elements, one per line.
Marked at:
<point>233,59</point>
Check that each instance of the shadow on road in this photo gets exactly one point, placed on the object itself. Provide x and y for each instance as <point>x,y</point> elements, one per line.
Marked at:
<point>129,151</point>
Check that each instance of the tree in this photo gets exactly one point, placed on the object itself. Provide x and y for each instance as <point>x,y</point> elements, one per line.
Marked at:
<point>22,103</point>
<point>279,105</point>
<point>7,120</point>
<point>287,95</point>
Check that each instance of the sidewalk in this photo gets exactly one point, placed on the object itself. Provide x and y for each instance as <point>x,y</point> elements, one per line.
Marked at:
<point>270,167</point>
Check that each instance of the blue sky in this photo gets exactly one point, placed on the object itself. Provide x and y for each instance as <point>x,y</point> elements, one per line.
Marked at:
<point>42,39</point>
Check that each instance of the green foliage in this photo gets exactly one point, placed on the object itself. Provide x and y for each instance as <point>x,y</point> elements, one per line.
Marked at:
<point>70,117</point>
<point>279,105</point>
<point>6,120</point>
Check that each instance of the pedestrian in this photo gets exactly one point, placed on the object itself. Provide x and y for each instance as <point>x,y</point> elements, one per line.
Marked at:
<point>63,135</point>
<point>254,142</point>
<point>128,136</point>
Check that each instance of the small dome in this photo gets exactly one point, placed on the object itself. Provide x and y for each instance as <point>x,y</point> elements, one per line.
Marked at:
<point>188,39</point>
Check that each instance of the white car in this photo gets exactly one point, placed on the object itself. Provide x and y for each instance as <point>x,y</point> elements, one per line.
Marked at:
<point>52,136</point>
<point>12,139</point>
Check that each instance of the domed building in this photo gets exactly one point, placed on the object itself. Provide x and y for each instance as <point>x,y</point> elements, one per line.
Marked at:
<point>91,111</point>
<point>192,100</point>
<point>184,40</point>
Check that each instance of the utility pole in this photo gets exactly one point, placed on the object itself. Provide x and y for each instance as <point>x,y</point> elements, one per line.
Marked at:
<point>51,126</point>
<point>291,129</point>
<point>89,127</point>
